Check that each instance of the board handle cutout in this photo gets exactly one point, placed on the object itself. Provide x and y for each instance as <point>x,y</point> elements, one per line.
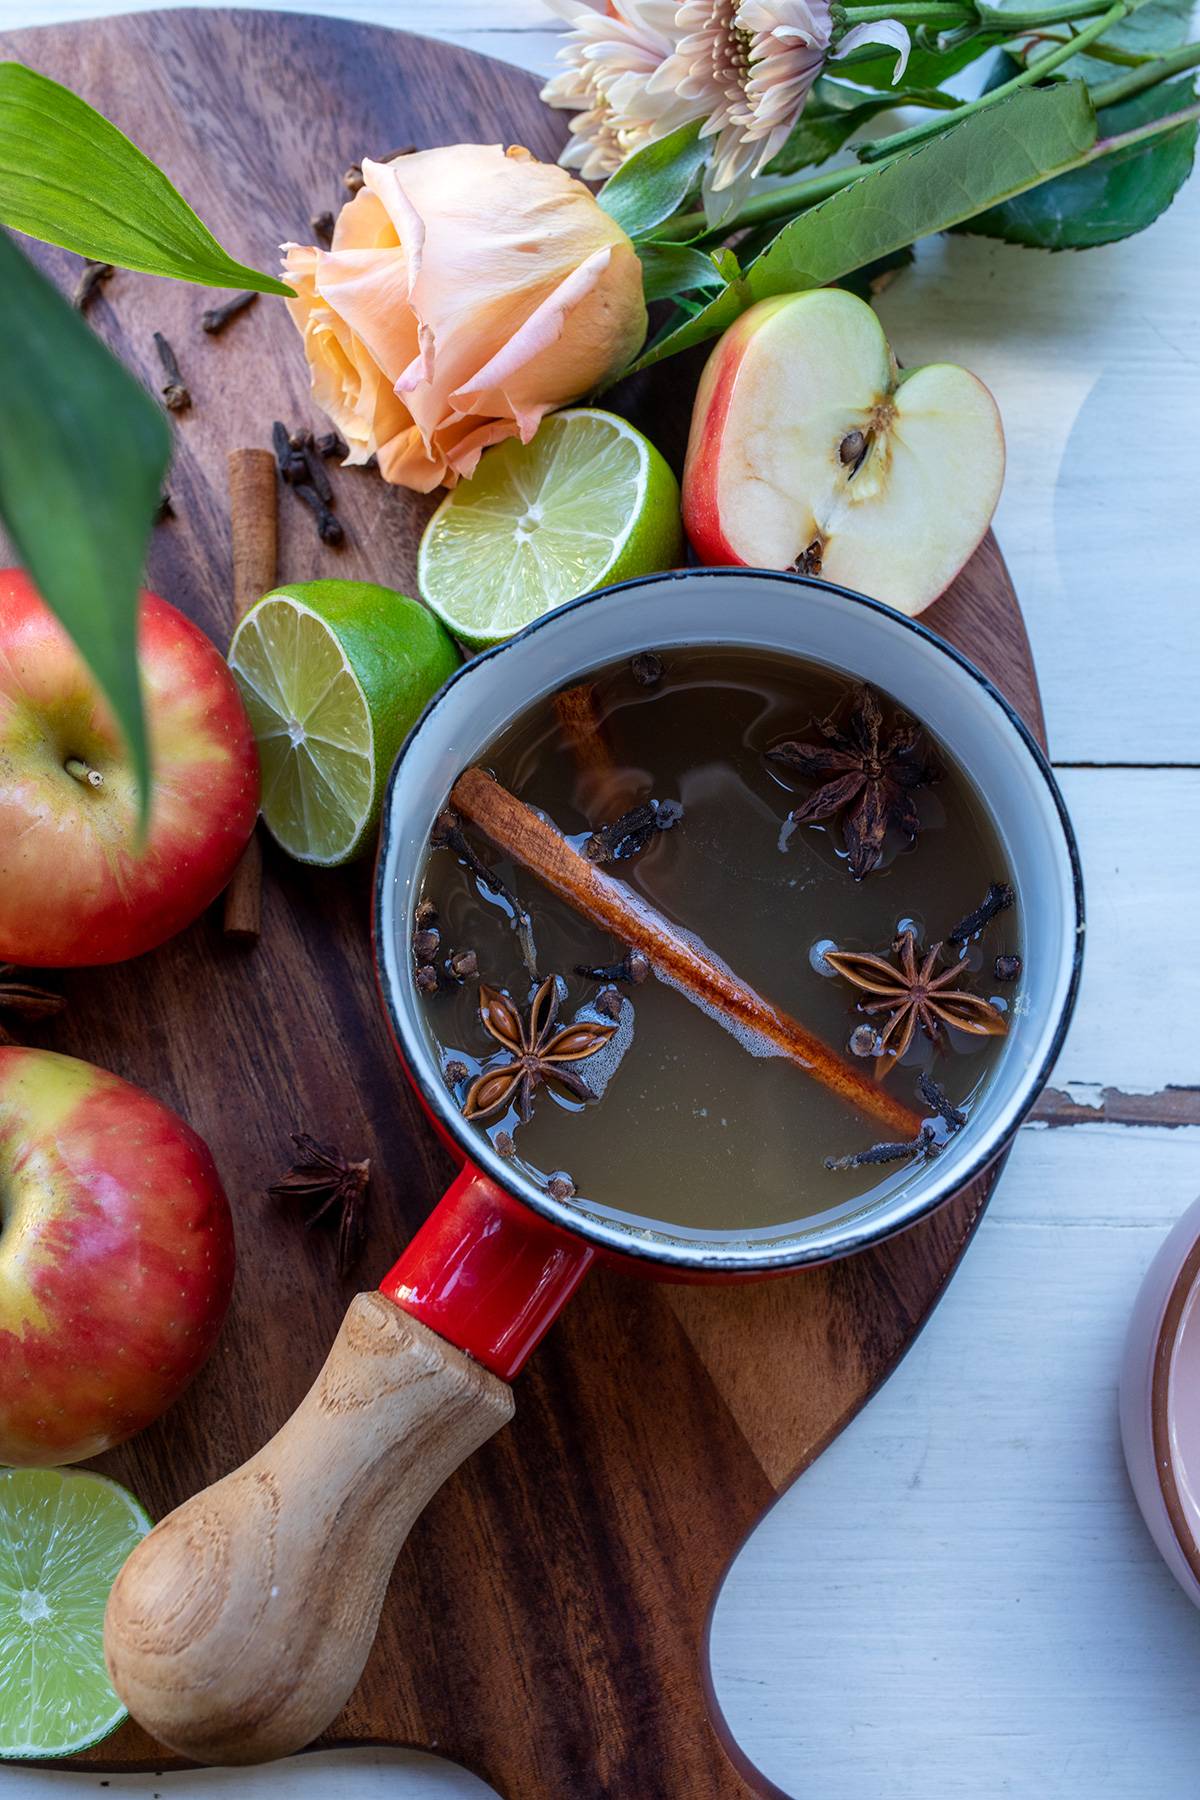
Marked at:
<point>239,1627</point>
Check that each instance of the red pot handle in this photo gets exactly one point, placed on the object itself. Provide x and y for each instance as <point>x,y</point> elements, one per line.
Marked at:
<point>487,1274</point>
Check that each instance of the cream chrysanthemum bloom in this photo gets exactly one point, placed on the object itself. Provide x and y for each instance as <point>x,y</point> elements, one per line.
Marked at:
<point>611,56</point>
<point>748,66</point>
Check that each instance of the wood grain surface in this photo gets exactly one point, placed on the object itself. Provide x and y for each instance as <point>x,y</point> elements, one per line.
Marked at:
<point>545,1625</point>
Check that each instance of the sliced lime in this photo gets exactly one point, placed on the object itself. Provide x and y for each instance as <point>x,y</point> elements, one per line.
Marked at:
<point>587,502</point>
<point>63,1537</point>
<point>333,674</point>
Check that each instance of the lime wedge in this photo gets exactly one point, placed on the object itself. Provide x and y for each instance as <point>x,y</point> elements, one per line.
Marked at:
<point>333,674</point>
<point>63,1537</point>
<point>587,502</point>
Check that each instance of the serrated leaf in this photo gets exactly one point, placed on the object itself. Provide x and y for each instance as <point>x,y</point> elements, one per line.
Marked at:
<point>71,178</point>
<point>989,157</point>
<point>648,187</point>
<point>1113,197</point>
<point>83,450</point>
<point>675,269</point>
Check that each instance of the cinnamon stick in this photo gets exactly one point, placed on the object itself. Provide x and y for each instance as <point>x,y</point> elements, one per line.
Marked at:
<point>537,846</point>
<point>252,518</point>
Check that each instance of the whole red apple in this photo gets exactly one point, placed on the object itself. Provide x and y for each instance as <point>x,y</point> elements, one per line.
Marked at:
<point>116,1258</point>
<point>77,885</point>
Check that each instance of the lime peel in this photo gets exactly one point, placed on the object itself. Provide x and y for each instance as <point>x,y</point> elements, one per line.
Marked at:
<point>64,1534</point>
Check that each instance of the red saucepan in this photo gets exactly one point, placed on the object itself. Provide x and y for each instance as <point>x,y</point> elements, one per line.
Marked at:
<point>239,1627</point>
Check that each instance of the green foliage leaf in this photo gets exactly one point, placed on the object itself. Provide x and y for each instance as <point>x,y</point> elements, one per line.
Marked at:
<point>83,449</point>
<point>988,158</point>
<point>71,178</point>
<point>926,68</point>
<point>832,113</point>
<point>1111,198</point>
<point>648,187</point>
<point>675,269</point>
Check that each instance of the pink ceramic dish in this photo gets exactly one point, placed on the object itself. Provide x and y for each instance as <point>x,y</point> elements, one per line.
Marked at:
<point>1160,1401</point>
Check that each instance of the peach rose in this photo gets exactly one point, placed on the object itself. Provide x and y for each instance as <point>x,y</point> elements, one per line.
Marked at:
<point>469,292</point>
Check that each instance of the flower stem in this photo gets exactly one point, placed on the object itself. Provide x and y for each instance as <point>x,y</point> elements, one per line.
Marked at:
<point>1123,87</point>
<point>909,12</point>
<point>1036,71</point>
<point>779,203</point>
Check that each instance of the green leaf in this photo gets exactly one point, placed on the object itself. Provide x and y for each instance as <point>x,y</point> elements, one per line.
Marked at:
<point>1112,197</point>
<point>83,450</point>
<point>647,189</point>
<point>832,113</point>
<point>989,157</point>
<point>675,269</point>
<point>926,68</point>
<point>71,178</point>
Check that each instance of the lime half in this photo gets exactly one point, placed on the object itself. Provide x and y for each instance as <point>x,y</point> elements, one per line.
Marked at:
<point>588,501</point>
<point>63,1537</point>
<point>333,674</point>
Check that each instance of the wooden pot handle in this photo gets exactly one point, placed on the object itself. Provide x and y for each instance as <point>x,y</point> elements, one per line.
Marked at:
<point>239,1627</point>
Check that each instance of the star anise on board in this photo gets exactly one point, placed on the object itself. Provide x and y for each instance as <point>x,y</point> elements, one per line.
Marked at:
<point>914,995</point>
<point>325,1181</point>
<point>864,774</point>
<point>538,1052</point>
<point>25,1000</point>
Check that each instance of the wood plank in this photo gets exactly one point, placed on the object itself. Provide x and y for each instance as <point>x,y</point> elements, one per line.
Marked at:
<point>546,1621</point>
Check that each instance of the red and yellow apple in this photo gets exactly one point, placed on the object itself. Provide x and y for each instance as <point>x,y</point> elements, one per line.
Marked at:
<point>78,885</point>
<point>810,451</point>
<point>116,1258</point>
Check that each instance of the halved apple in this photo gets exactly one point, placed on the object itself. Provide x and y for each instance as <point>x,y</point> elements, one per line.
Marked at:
<point>810,451</point>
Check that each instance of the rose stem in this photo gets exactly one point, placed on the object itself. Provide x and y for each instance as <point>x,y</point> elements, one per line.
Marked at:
<point>252,517</point>
<point>537,846</point>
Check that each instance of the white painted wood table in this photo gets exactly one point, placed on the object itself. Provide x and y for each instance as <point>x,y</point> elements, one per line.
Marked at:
<point>959,1598</point>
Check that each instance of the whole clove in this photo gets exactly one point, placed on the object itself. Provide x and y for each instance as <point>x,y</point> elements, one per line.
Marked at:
<point>88,285</point>
<point>559,1185</point>
<point>938,1101</point>
<point>425,915</point>
<point>425,945</point>
<point>864,1041</point>
<point>632,968</point>
<point>1007,968</point>
<point>332,443</point>
<point>292,465</point>
<point>448,834</point>
<point>609,1003</point>
<point>647,669</point>
<point>503,1145</point>
<point>632,831</point>
<point>352,180</point>
<point>329,526</point>
<point>883,1153</point>
<point>999,898</point>
<point>301,443</point>
<point>174,392</point>
<point>463,965</point>
<point>455,1072</point>
<point>427,979</point>
<point>322,227</point>
<point>217,318</point>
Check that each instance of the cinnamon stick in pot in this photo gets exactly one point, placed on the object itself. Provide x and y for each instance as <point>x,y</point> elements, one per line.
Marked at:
<point>533,843</point>
<point>252,519</point>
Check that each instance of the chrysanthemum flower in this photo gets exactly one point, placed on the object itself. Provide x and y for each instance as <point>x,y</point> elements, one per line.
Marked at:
<point>611,56</point>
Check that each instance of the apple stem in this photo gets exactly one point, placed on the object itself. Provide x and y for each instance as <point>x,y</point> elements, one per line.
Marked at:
<point>79,769</point>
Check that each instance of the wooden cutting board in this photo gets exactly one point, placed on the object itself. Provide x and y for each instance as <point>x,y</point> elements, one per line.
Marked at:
<point>546,1623</point>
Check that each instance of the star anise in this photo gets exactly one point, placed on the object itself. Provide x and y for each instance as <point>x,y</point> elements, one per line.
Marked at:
<point>865,775</point>
<point>27,1001</point>
<point>538,1052</point>
<point>325,1177</point>
<point>913,996</point>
